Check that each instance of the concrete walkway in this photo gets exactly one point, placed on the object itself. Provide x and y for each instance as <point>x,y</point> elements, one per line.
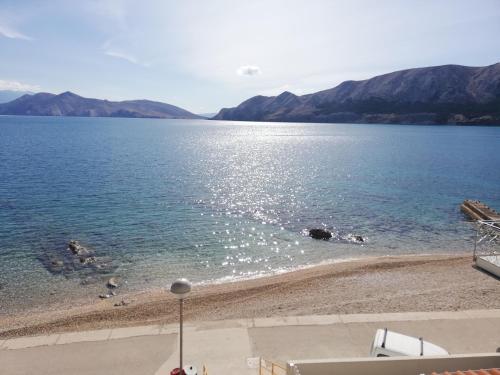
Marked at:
<point>229,346</point>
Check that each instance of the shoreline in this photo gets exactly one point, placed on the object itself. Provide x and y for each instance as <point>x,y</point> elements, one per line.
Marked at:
<point>366,285</point>
<point>323,263</point>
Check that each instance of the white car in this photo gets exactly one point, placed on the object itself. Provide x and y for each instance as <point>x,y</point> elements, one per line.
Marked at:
<point>392,344</point>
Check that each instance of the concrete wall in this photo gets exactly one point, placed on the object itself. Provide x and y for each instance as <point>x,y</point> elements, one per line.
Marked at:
<point>393,365</point>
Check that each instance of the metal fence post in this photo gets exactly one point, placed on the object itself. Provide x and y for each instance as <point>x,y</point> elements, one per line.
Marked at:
<point>475,241</point>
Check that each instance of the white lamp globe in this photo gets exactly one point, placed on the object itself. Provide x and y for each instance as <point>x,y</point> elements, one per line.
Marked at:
<point>181,288</point>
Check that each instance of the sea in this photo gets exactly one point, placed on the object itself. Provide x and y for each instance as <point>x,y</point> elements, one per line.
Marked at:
<point>216,201</point>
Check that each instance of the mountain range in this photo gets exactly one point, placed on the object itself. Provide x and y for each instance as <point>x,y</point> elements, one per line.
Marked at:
<point>70,104</point>
<point>9,95</point>
<point>447,94</point>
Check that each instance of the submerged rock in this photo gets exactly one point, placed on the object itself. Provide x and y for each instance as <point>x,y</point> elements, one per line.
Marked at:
<point>88,260</point>
<point>74,260</point>
<point>57,263</point>
<point>320,234</point>
<point>89,280</point>
<point>54,265</point>
<point>78,249</point>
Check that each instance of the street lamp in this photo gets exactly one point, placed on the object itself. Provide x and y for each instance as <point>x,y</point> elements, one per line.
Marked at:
<point>181,288</point>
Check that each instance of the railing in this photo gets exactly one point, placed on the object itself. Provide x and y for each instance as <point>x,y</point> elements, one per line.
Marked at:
<point>487,240</point>
<point>267,367</point>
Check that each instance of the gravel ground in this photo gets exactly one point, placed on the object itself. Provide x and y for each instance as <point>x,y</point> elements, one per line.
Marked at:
<point>371,285</point>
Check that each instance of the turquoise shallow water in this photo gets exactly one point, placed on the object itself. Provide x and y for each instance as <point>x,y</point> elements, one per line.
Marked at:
<point>218,201</point>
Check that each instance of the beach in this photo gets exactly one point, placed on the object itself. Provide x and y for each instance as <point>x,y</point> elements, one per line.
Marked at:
<point>368,285</point>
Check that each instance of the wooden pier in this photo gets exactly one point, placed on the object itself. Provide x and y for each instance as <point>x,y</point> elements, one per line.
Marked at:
<point>479,211</point>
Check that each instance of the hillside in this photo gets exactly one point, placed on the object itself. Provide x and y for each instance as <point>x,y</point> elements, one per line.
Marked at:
<point>9,95</point>
<point>445,94</point>
<point>70,104</point>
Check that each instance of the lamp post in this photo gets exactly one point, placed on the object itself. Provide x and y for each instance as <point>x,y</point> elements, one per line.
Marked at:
<point>181,288</point>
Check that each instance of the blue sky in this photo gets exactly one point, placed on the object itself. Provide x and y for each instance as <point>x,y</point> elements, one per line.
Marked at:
<point>204,55</point>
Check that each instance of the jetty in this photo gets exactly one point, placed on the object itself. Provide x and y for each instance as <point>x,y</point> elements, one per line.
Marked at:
<point>477,210</point>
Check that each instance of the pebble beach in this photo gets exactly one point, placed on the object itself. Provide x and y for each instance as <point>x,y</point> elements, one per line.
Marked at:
<point>369,285</point>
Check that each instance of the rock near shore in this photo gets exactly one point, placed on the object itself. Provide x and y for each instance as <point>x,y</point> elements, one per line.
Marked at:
<point>77,249</point>
<point>320,234</point>
<point>112,283</point>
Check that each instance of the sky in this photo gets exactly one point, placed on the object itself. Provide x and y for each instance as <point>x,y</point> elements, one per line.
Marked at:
<point>208,54</point>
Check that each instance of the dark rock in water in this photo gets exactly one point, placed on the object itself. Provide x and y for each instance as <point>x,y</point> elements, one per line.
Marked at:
<point>320,234</point>
<point>78,249</point>
<point>359,239</point>
<point>73,245</point>
<point>57,263</point>
<point>103,265</point>
<point>53,264</point>
<point>88,260</point>
<point>74,260</point>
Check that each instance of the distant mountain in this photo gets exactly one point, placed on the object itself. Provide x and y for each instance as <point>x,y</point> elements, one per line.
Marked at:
<point>69,104</point>
<point>448,94</point>
<point>9,95</point>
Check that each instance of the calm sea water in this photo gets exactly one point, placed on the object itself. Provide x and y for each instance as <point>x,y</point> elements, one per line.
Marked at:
<point>218,201</point>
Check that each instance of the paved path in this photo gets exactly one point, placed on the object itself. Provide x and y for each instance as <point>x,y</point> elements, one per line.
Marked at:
<point>225,346</point>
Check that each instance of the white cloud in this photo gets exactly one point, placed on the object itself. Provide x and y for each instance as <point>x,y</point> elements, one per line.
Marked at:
<point>118,53</point>
<point>17,86</point>
<point>248,70</point>
<point>9,32</point>
<point>122,55</point>
<point>127,57</point>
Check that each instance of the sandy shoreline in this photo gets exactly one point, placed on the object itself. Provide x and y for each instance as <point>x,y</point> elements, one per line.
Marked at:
<point>371,285</point>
